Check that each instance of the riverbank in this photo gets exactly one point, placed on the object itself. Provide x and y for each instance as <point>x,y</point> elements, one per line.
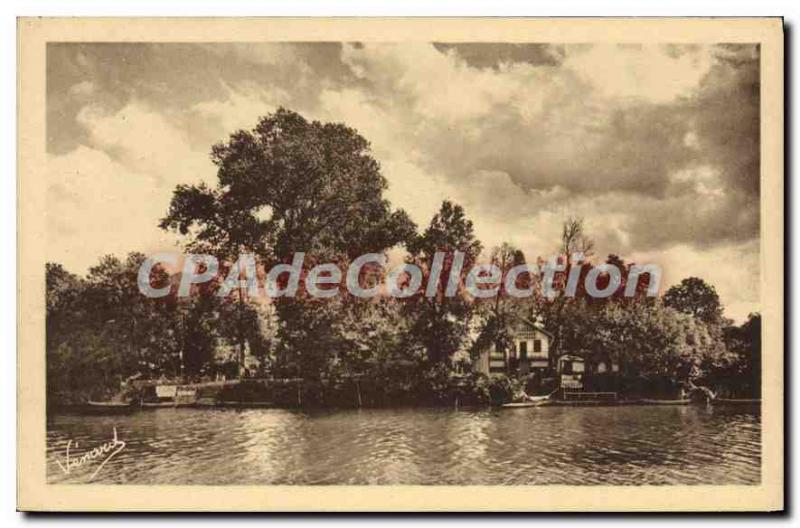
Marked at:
<point>465,391</point>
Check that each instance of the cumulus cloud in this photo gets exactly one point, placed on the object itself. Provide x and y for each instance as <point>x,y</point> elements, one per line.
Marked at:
<point>106,197</point>
<point>97,206</point>
<point>622,141</point>
<point>653,73</point>
<point>239,108</point>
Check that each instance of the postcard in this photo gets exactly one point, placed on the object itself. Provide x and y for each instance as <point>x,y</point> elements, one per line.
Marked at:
<point>400,264</point>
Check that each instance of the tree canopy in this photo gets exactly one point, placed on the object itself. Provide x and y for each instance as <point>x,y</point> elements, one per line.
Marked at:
<point>695,297</point>
<point>291,185</point>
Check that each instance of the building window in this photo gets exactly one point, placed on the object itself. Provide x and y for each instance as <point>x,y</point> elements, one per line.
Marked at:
<point>523,349</point>
<point>537,345</point>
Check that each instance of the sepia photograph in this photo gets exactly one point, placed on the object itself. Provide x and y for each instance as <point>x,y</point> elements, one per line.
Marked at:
<point>307,263</point>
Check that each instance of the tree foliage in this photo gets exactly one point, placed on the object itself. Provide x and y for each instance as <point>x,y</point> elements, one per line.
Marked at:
<point>440,322</point>
<point>100,329</point>
<point>292,185</point>
<point>695,297</point>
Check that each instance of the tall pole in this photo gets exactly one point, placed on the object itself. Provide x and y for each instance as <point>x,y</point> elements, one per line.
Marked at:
<point>240,308</point>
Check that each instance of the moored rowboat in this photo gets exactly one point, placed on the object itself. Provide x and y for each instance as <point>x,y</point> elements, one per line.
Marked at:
<point>95,407</point>
<point>246,404</point>
<point>158,405</point>
<point>519,405</point>
<point>666,402</point>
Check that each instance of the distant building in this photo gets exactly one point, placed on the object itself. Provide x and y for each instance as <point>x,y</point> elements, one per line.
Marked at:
<point>571,369</point>
<point>529,353</point>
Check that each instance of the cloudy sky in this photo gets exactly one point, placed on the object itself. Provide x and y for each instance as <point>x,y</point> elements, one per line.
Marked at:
<point>655,146</point>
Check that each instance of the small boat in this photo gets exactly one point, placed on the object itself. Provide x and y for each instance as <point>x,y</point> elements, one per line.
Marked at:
<point>529,401</point>
<point>519,405</point>
<point>158,405</point>
<point>589,403</point>
<point>246,404</point>
<point>109,407</point>
<point>167,396</point>
<point>736,401</point>
<point>206,402</point>
<point>647,401</point>
<point>167,404</point>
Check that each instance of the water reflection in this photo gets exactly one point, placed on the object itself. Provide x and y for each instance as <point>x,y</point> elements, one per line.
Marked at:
<point>553,445</point>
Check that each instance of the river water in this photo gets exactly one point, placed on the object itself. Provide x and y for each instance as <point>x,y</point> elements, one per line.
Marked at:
<point>548,445</point>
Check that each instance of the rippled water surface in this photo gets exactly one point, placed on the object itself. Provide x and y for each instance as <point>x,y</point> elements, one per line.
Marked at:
<point>550,445</point>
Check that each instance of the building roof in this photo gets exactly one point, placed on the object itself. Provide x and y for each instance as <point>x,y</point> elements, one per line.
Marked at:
<point>535,325</point>
<point>570,357</point>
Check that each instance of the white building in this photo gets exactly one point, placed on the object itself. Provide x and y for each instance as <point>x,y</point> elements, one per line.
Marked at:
<point>530,351</point>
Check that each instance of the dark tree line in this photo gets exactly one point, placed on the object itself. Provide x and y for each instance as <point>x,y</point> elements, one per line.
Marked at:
<point>101,330</point>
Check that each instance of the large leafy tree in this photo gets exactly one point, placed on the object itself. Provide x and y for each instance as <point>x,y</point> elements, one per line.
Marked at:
<point>648,340</point>
<point>292,185</point>
<point>695,297</point>
<point>574,247</point>
<point>101,329</point>
<point>69,367</point>
<point>440,322</point>
<point>496,315</point>
<point>138,325</point>
<point>742,375</point>
<point>656,342</point>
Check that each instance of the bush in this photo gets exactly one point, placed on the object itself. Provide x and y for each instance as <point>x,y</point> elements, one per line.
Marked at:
<point>503,389</point>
